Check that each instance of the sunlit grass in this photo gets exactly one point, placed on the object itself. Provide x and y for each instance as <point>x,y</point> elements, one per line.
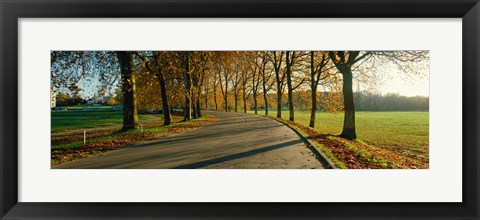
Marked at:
<point>403,132</point>
<point>67,120</point>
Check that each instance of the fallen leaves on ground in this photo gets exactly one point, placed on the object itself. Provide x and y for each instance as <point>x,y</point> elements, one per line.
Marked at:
<point>58,140</point>
<point>378,158</point>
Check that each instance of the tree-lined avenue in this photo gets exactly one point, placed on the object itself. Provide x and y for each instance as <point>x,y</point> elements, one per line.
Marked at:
<point>234,141</point>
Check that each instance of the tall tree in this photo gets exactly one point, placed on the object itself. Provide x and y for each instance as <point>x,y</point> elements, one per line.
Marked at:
<point>224,77</point>
<point>161,61</point>
<point>163,88</point>
<point>290,59</point>
<point>317,68</point>
<point>248,71</point>
<point>68,68</point>
<point>185,58</point>
<point>130,115</point>
<point>256,77</point>
<point>346,60</point>
<point>201,60</point>
<point>266,82</point>
<point>236,82</point>
<point>224,69</point>
<point>206,90</point>
<point>277,59</point>
<point>215,82</point>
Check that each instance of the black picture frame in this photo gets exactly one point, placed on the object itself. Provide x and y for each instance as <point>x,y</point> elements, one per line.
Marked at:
<point>11,11</point>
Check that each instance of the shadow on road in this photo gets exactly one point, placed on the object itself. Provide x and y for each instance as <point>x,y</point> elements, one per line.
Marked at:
<point>237,156</point>
<point>190,137</point>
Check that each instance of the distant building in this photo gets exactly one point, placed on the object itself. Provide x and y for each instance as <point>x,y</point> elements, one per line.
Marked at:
<point>97,100</point>
<point>53,98</point>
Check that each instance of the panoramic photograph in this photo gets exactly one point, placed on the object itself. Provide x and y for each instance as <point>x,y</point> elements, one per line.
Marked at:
<point>239,109</point>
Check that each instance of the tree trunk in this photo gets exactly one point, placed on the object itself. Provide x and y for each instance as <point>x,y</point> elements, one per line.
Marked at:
<point>199,112</point>
<point>279,104</point>
<point>279,94</point>
<point>194,96</point>
<point>349,119</point>
<point>255,91</point>
<point>215,100</point>
<point>244,105</point>
<point>289,87</point>
<point>225,97</point>
<point>313,87</point>
<point>187,113</point>
<point>215,96</point>
<point>236,102</point>
<point>188,84</point>
<point>166,110</point>
<point>265,97</point>
<point>280,86</point>
<point>194,109</point>
<point>206,97</point>
<point>130,116</point>
<point>255,103</point>
<point>314,108</point>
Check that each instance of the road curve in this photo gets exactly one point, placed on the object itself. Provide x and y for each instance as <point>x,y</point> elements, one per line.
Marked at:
<point>234,141</point>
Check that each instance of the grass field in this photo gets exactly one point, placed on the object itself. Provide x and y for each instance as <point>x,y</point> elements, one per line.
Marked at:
<point>80,107</point>
<point>405,133</point>
<point>67,120</point>
<point>92,107</point>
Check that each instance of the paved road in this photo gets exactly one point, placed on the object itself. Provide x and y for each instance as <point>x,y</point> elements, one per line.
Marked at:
<point>234,141</point>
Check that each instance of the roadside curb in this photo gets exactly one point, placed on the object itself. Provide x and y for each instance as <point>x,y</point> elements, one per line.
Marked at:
<point>319,154</point>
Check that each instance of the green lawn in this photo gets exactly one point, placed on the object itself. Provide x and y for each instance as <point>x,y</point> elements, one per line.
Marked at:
<point>80,107</point>
<point>403,132</point>
<point>67,120</point>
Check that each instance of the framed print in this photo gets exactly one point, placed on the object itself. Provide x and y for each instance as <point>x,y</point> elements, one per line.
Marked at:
<point>224,109</point>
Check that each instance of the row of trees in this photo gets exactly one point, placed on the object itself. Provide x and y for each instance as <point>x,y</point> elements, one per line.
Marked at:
<point>196,79</point>
<point>64,99</point>
<point>364,101</point>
